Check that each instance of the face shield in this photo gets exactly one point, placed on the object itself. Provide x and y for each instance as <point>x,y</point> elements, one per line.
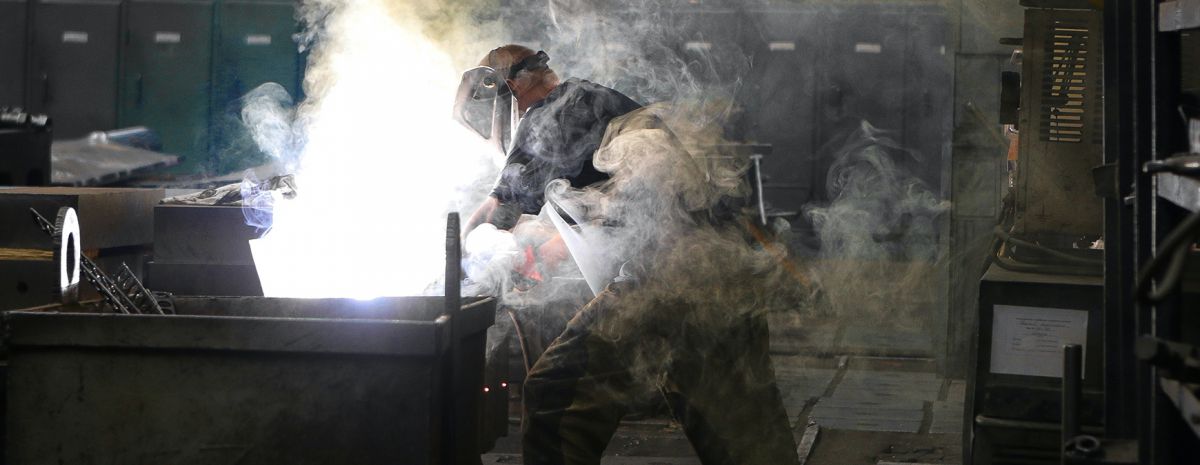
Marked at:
<point>486,105</point>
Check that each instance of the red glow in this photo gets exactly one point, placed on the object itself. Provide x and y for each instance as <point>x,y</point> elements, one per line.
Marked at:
<point>504,385</point>
<point>485,389</point>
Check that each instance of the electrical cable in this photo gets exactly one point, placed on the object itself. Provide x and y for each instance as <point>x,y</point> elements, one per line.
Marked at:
<point>1004,235</point>
<point>1013,265</point>
<point>1094,268</point>
<point>1004,220</point>
<point>1172,256</point>
<point>520,340</point>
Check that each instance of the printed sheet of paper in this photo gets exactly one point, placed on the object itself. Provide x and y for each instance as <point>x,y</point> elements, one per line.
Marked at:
<point>1029,340</point>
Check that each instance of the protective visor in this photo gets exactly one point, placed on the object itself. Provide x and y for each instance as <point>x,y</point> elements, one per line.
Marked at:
<point>484,104</point>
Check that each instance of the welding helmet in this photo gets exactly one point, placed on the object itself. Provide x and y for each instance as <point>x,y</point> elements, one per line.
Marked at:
<point>486,105</point>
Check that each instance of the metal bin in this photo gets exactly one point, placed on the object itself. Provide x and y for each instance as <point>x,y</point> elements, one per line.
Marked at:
<point>248,380</point>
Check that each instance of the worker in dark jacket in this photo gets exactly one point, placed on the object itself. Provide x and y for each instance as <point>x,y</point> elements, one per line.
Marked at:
<point>714,372</point>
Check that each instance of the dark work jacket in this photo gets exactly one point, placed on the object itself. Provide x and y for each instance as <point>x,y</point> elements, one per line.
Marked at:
<point>556,140</point>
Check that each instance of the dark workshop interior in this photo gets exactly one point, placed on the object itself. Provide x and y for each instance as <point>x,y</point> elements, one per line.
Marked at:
<point>619,232</point>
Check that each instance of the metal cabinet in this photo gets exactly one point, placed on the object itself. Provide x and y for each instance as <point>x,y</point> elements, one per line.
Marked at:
<point>929,81</point>
<point>779,98</point>
<point>165,71</point>
<point>72,74</point>
<point>253,46</point>
<point>12,52</point>
<point>859,76</point>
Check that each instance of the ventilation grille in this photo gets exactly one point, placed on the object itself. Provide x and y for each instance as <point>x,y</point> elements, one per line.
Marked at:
<point>1065,91</point>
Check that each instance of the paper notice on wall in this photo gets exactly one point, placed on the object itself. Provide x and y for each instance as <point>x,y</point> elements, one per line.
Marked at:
<point>167,37</point>
<point>1029,340</point>
<point>74,37</point>
<point>258,39</point>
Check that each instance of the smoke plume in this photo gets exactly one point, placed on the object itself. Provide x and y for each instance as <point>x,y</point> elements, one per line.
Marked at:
<point>881,248</point>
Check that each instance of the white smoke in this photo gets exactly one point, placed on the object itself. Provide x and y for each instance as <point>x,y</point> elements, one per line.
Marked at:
<point>881,244</point>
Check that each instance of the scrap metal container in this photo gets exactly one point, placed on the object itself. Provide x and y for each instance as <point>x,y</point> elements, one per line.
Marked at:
<point>249,380</point>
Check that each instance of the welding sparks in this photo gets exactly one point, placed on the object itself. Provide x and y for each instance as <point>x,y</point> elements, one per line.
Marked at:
<point>381,163</point>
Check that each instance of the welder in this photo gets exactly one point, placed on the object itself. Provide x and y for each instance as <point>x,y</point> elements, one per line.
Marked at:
<point>579,389</point>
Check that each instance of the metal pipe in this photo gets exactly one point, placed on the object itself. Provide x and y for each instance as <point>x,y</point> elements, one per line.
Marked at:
<point>1072,389</point>
<point>992,422</point>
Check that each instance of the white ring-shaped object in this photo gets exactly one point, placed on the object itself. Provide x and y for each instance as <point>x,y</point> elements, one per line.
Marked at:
<point>68,251</point>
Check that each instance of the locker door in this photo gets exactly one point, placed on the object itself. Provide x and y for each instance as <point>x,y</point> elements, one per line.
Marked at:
<point>73,68</point>
<point>710,43</point>
<point>12,53</point>
<point>253,46</point>
<point>165,78</point>
<point>778,100</point>
<point>929,112</point>
<point>861,76</point>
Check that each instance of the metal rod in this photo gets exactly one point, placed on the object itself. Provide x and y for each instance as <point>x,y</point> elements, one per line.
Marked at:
<point>453,264</point>
<point>1072,389</point>
<point>991,422</point>
<point>758,200</point>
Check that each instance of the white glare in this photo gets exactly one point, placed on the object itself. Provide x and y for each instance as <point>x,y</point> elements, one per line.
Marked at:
<point>382,164</point>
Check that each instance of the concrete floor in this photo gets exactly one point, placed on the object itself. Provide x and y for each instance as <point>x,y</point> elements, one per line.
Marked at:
<point>857,397</point>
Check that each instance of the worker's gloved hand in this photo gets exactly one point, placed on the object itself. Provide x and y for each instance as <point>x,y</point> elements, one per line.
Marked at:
<point>540,260</point>
<point>490,257</point>
<point>552,252</point>
<point>529,268</point>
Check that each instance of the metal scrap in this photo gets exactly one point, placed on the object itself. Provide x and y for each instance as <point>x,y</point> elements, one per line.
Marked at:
<point>109,291</point>
<point>232,194</point>
<point>142,299</point>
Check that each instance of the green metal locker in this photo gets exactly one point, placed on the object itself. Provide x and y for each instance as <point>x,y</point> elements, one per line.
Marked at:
<point>165,72</point>
<point>73,64</point>
<point>254,45</point>
<point>780,90</point>
<point>12,52</point>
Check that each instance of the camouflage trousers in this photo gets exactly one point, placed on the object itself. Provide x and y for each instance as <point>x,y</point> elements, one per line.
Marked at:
<point>718,383</point>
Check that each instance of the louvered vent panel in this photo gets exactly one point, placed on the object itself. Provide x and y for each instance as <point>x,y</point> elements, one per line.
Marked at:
<point>1066,106</point>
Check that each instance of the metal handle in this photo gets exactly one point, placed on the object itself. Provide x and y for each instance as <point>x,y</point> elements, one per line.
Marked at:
<point>45,88</point>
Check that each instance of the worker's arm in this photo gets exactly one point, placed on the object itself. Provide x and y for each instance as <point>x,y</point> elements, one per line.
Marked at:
<point>501,214</point>
<point>481,215</point>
